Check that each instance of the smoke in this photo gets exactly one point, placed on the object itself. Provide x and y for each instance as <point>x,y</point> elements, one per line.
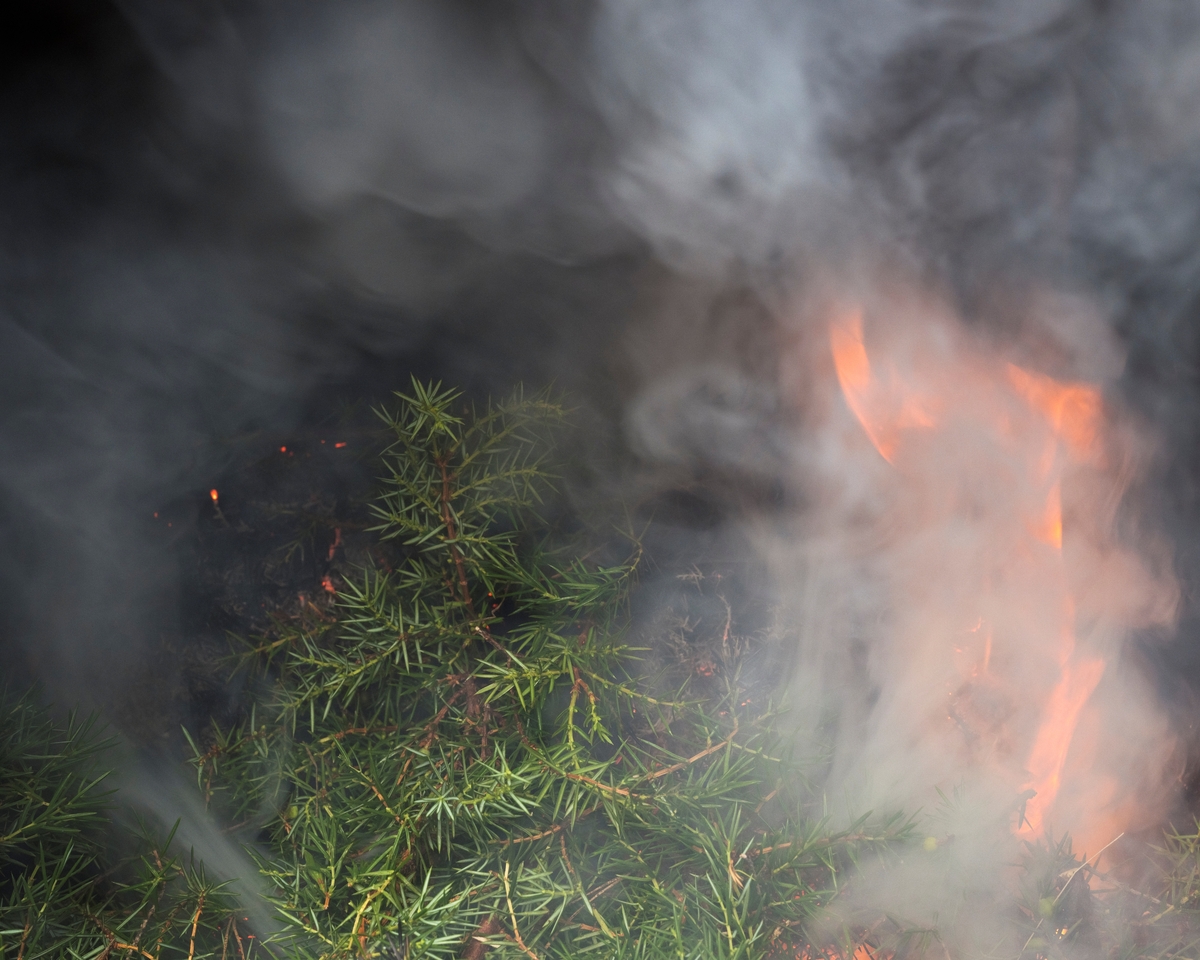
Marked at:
<point>215,208</point>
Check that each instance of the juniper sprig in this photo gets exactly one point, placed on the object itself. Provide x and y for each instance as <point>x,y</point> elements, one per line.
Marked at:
<point>468,756</point>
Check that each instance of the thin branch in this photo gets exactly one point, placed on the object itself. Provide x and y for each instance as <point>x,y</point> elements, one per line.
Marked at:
<point>195,923</point>
<point>516,934</point>
<point>699,756</point>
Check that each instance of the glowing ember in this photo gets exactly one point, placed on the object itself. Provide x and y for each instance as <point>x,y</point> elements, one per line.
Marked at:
<point>212,493</point>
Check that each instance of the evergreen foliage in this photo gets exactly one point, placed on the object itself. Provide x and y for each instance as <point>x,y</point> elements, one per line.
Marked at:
<point>468,758</point>
<point>63,892</point>
<point>468,753</point>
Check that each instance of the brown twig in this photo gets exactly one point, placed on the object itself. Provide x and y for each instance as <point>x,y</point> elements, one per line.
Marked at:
<point>238,937</point>
<point>620,791</point>
<point>700,756</point>
<point>848,838</point>
<point>551,831</point>
<point>603,888</point>
<point>430,727</point>
<point>460,567</point>
<point>195,923</point>
<point>516,934</point>
<point>114,943</point>
<point>562,842</point>
<point>477,946</point>
<point>390,728</point>
<point>375,790</point>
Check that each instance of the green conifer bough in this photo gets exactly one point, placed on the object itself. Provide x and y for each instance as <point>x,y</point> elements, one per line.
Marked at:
<point>467,759</point>
<point>467,753</point>
<point>66,893</point>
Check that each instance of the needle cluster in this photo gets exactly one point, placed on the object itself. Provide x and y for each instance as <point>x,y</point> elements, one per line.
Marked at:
<point>472,750</point>
<point>64,891</point>
<point>467,757</point>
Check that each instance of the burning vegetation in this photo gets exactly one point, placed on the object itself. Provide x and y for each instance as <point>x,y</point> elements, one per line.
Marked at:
<point>461,750</point>
<point>1002,492</point>
<point>835,638</point>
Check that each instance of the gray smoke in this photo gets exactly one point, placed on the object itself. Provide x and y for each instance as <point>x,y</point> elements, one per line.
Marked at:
<point>230,203</point>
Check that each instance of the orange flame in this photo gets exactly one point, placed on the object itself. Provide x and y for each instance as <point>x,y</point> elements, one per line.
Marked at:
<point>955,394</point>
<point>883,410</point>
<point>212,493</point>
<point>1053,741</point>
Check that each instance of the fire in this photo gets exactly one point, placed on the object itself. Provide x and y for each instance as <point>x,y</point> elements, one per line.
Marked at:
<point>987,460</point>
<point>1054,736</point>
<point>212,493</point>
<point>884,408</point>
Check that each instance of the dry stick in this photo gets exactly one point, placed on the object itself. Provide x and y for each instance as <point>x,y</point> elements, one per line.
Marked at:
<point>195,923</point>
<point>848,838</point>
<point>765,800</point>
<point>137,941</point>
<point>430,731</point>
<point>24,937</point>
<point>620,791</point>
<point>562,840</point>
<point>476,947</point>
<point>556,828</point>
<point>1167,907</point>
<point>165,926</point>
<point>391,728</point>
<point>238,937</point>
<point>431,735</point>
<point>452,538</point>
<point>114,943</point>
<point>728,624</point>
<point>700,756</point>
<point>603,928</point>
<point>604,888</point>
<point>516,937</point>
<point>375,790</point>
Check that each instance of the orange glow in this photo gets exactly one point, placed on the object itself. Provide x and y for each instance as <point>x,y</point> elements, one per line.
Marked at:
<point>340,445</point>
<point>861,952</point>
<point>1054,737</point>
<point>854,374</point>
<point>885,406</point>
<point>987,450</point>
<point>1048,527</point>
<point>1073,409</point>
<point>212,493</point>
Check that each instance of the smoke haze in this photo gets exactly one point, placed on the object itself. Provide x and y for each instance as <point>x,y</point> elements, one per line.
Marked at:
<point>215,210</point>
